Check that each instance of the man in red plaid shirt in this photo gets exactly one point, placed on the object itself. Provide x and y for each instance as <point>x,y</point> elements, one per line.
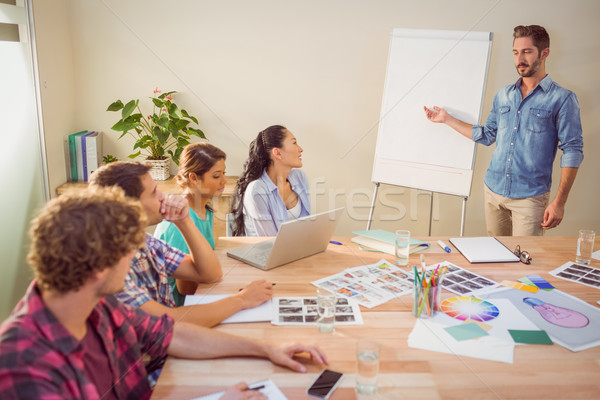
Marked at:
<point>70,338</point>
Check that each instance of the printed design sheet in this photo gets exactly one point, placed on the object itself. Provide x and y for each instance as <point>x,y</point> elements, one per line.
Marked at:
<point>579,273</point>
<point>303,311</point>
<point>369,285</point>
<point>461,281</point>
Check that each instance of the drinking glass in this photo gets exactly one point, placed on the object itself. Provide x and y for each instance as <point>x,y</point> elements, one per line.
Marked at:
<point>585,246</point>
<point>367,365</point>
<point>402,245</point>
<point>325,310</point>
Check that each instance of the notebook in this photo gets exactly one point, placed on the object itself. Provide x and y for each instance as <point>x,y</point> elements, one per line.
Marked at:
<point>383,241</point>
<point>484,249</point>
<point>296,239</point>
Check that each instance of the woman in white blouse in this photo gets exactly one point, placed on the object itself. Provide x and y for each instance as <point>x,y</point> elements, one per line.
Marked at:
<point>272,189</point>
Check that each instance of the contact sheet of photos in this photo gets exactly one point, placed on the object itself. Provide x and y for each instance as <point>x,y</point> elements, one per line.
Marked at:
<point>303,311</point>
<point>369,285</point>
<point>461,281</point>
<point>579,273</point>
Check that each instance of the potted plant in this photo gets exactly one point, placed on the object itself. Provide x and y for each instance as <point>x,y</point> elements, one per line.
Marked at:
<point>159,135</point>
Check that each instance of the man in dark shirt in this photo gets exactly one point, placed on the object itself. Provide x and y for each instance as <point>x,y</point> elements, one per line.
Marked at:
<point>70,338</point>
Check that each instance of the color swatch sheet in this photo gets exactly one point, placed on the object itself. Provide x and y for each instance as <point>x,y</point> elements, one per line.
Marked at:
<point>431,333</point>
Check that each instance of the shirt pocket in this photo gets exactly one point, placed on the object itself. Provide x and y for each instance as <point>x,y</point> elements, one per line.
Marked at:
<point>503,116</point>
<point>539,120</point>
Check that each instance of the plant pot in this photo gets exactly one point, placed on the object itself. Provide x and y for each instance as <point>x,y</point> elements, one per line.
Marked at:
<point>160,169</point>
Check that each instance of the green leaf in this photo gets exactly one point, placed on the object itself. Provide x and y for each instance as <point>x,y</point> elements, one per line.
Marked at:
<point>157,102</point>
<point>163,121</point>
<point>116,106</point>
<point>134,155</point>
<point>163,95</point>
<point>124,126</point>
<point>180,124</point>
<point>195,132</point>
<point>129,108</point>
<point>173,111</point>
<point>186,115</point>
<point>163,136</point>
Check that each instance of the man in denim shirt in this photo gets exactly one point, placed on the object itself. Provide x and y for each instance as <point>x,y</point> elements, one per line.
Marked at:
<point>528,121</point>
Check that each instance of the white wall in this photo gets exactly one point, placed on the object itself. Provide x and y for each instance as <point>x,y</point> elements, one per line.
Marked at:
<point>317,67</point>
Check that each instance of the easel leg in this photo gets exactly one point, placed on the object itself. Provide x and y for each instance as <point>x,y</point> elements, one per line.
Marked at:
<point>462,220</point>
<point>430,211</point>
<point>372,205</point>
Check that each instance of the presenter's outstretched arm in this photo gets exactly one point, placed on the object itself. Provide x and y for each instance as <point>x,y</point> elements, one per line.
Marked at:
<point>439,115</point>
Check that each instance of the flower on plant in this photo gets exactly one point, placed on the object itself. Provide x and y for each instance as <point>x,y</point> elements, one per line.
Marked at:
<point>161,134</point>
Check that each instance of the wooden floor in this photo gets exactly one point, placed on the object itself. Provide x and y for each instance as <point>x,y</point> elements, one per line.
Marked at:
<point>538,372</point>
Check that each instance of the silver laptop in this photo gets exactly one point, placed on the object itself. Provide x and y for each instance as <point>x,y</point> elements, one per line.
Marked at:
<point>296,239</point>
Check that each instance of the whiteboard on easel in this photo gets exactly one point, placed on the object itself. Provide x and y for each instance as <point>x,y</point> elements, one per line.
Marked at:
<point>426,68</point>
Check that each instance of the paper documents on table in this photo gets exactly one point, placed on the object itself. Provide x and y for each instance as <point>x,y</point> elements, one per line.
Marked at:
<point>383,241</point>
<point>568,320</point>
<point>369,285</point>
<point>261,313</point>
<point>269,389</point>
<point>303,311</point>
<point>431,334</point>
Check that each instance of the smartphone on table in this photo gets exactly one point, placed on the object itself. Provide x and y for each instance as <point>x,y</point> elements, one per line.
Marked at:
<point>324,385</point>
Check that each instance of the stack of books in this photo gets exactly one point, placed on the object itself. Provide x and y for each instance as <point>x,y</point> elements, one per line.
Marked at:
<point>83,155</point>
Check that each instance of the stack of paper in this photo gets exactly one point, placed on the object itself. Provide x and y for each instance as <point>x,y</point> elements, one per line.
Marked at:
<point>266,387</point>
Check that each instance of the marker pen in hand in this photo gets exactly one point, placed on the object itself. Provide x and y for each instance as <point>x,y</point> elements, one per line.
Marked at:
<point>443,246</point>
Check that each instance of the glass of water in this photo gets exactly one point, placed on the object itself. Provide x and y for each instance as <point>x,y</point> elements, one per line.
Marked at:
<point>402,247</point>
<point>367,365</point>
<point>585,246</point>
<point>325,310</point>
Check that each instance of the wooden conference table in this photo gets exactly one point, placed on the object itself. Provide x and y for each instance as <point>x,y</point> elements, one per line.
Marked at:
<point>538,371</point>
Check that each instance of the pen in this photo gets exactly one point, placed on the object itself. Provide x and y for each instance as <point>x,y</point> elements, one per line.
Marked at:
<point>443,246</point>
<point>334,242</point>
<point>256,387</point>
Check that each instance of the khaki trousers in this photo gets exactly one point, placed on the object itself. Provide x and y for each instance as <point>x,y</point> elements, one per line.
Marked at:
<point>514,217</point>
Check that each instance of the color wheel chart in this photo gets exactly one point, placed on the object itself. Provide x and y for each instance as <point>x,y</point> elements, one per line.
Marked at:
<point>464,308</point>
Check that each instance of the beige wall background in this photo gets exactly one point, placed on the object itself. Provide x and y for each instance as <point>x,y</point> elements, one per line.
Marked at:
<point>317,67</point>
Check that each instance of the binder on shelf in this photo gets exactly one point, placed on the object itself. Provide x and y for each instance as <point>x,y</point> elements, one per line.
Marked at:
<point>93,146</point>
<point>73,154</point>
<point>67,158</point>
<point>84,172</point>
